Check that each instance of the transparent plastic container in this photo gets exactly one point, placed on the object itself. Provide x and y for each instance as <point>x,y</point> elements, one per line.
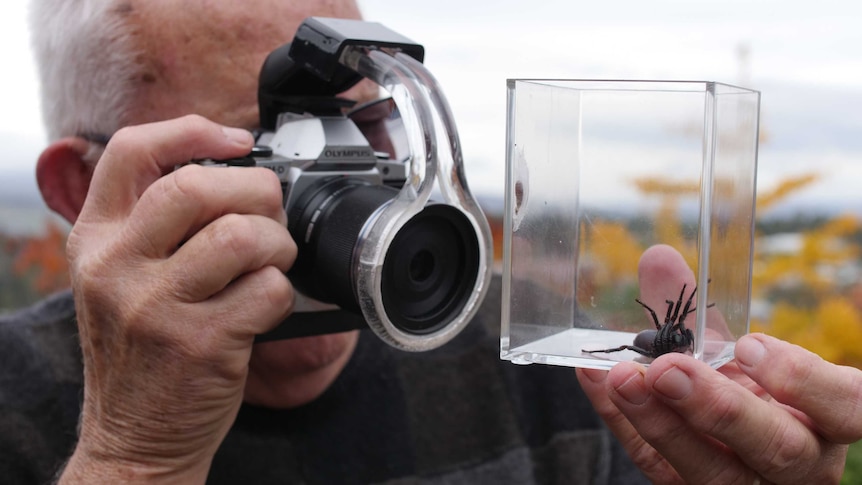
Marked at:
<point>597,173</point>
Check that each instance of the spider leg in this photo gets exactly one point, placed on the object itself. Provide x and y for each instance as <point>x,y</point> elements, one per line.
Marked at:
<point>688,336</point>
<point>652,312</point>
<point>687,308</point>
<point>679,303</point>
<point>694,309</point>
<point>639,350</point>
<point>686,311</point>
<point>669,311</point>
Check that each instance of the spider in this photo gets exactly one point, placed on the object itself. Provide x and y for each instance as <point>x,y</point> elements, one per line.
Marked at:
<point>672,336</point>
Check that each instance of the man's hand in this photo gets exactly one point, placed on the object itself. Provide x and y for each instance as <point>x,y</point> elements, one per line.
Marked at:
<point>778,413</point>
<point>173,272</point>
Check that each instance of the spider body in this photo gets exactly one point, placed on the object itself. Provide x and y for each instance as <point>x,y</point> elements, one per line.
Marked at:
<point>672,336</point>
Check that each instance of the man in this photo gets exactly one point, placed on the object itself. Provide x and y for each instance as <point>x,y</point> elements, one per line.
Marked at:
<point>174,272</point>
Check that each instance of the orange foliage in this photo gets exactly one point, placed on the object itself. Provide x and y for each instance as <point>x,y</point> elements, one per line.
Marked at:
<point>45,258</point>
<point>496,224</point>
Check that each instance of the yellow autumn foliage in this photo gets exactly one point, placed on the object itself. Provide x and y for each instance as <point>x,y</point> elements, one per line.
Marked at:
<point>825,247</point>
<point>833,330</point>
<point>785,188</point>
<point>829,322</point>
<point>614,248</point>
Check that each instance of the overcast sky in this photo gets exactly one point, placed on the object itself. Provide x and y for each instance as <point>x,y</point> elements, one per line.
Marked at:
<point>805,57</point>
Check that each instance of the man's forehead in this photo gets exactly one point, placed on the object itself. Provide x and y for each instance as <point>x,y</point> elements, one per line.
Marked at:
<point>204,57</point>
<point>244,20</point>
<point>169,25</point>
<point>240,33</point>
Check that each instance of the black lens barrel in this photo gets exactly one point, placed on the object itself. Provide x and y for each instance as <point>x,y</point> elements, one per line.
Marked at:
<point>429,270</point>
<point>326,222</point>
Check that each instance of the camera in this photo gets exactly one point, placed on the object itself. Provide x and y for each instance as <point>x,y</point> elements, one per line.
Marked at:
<point>388,234</point>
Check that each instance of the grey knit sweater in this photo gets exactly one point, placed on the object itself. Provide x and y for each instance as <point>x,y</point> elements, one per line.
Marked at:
<point>455,415</point>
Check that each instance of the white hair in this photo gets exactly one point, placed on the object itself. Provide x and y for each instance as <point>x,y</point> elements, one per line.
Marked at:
<point>86,64</point>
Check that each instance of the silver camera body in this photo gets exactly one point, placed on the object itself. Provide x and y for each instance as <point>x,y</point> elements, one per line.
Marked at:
<point>374,250</point>
<point>306,149</point>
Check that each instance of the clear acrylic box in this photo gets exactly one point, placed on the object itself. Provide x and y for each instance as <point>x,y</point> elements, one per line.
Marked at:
<point>599,171</point>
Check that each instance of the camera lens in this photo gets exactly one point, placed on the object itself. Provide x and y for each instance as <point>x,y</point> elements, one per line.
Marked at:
<point>430,269</point>
<point>421,266</point>
<point>325,223</point>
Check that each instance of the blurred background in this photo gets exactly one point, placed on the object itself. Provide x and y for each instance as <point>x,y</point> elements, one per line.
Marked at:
<point>805,58</point>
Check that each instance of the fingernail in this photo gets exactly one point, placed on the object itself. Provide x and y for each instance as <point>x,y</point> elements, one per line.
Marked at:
<point>673,384</point>
<point>595,375</point>
<point>237,135</point>
<point>633,390</point>
<point>749,351</point>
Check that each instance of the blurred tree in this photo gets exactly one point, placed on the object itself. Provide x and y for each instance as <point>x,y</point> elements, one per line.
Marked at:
<point>615,249</point>
<point>668,228</point>
<point>823,251</point>
<point>812,307</point>
<point>43,258</point>
<point>785,188</point>
<point>833,329</point>
<point>15,291</point>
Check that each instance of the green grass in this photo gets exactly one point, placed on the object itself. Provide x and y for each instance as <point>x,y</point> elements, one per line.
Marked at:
<point>853,469</point>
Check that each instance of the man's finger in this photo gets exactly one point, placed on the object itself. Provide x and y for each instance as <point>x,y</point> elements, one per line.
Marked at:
<point>663,275</point>
<point>643,455</point>
<point>765,436</point>
<point>225,249</point>
<point>179,204</point>
<point>662,272</point>
<point>254,303</point>
<point>137,156</point>
<point>696,457</point>
<point>829,394</point>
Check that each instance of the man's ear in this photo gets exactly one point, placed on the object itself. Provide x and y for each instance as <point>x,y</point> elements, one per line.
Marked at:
<point>64,177</point>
